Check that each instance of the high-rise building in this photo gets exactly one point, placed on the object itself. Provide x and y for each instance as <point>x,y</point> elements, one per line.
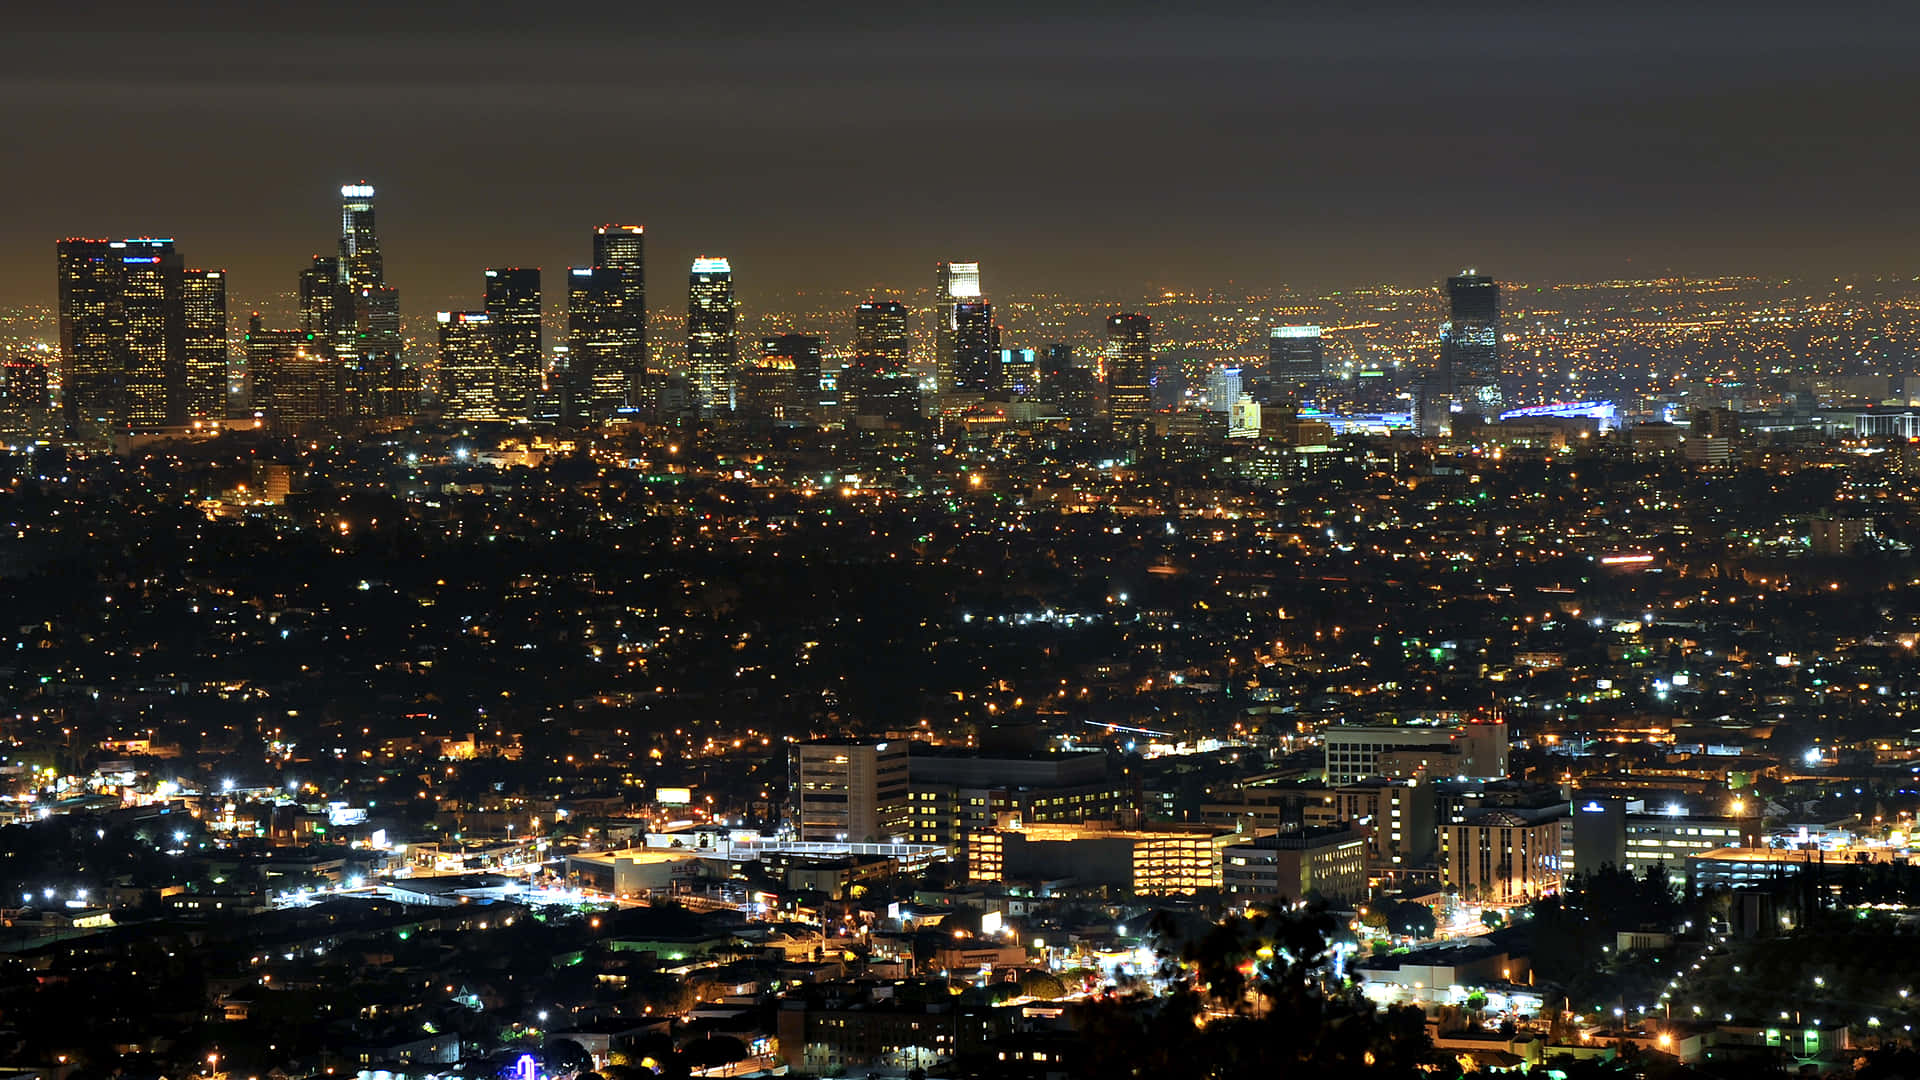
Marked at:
<point>877,382</point>
<point>974,361</point>
<point>765,388</point>
<point>152,305</point>
<point>123,333</point>
<point>1067,384</point>
<point>880,340</point>
<point>1019,371</point>
<point>1243,421</point>
<point>1129,367</point>
<point>1056,361</point>
<point>513,308</point>
<point>293,374</point>
<point>376,381</point>
<point>91,370</point>
<point>326,305</point>
<point>852,791</point>
<point>607,325</point>
<point>359,240</point>
<point>803,352</point>
<point>1223,388</point>
<point>24,383</point>
<point>953,283</point>
<point>713,343</point>
<point>470,370</point>
<point>1295,354</point>
<point>1470,344</point>
<point>204,306</point>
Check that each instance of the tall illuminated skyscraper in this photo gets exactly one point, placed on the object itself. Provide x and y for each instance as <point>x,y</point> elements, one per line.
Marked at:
<point>293,374</point>
<point>204,306</point>
<point>1470,344</point>
<point>359,239</point>
<point>470,372</point>
<point>607,324</point>
<point>90,333</point>
<point>880,341</point>
<point>1129,369</point>
<point>152,307</point>
<point>974,363</point>
<point>713,343</point>
<point>513,308</point>
<point>805,352</point>
<point>376,382</point>
<point>953,283</point>
<point>124,329</point>
<point>877,381</point>
<point>1294,354</point>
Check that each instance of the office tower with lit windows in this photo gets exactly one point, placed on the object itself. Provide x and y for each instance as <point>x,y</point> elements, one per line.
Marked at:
<point>975,356</point>
<point>153,317</point>
<point>768,387</point>
<point>91,368</point>
<point>24,385</point>
<point>713,343</point>
<point>1067,384</point>
<point>204,306</point>
<point>513,307</point>
<point>852,791</point>
<point>293,376</point>
<point>376,381</point>
<point>878,380</point>
<point>470,369</point>
<point>1470,345</point>
<point>953,284</point>
<point>880,339</point>
<point>1019,372</point>
<point>1129,368</point>
<point>1295,354</point>
<point>142,339</point>
<point>804,352</point>
<point>607,325</point>
<point>1223,388</point>
<point>326,310</point>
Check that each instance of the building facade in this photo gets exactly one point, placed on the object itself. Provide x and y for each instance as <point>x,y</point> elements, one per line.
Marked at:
<point>513,310</point>
<point>1329,863</point>
<point>852,791</point>
<point>1503,855</point>
<point>1129,369</point>
<point>713,343</point>
<point>1470,344</point>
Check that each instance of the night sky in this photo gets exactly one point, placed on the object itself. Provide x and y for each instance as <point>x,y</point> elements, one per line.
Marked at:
<point>1113,148</point>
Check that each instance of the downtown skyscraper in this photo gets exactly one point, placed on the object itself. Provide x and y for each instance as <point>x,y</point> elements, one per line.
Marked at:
<point>975,363</point>
<point>513,309</point>
<point>878,382</point>
<point>203,304</point>
<point>129,312</point>
<point>1470,368</point>
<point>606,361</point>
<point>713,340</point>
<point>470,369</point>
<point>954,283</point>
<point>375,379</point>
<point>1129,370</point>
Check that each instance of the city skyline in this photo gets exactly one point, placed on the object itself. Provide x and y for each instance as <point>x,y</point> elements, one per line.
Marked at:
<point>1396,147</point>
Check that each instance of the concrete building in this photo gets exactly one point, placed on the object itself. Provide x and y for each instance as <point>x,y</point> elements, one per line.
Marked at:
<point>1635,833</point>
<point>1399,815</point>
<point>1503,855</point>
<point>852,791</point>
<point>1163,861</point>
<point>1357,751</point>
<point>1329,862</point>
